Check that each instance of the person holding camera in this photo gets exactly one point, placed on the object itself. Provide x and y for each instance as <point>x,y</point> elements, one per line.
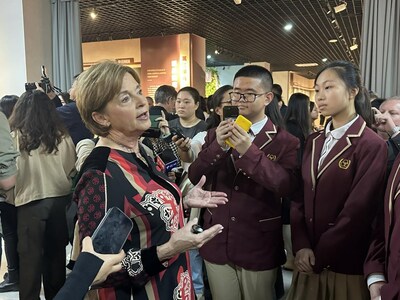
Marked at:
<point>42,192</point>
<point>118,173</point>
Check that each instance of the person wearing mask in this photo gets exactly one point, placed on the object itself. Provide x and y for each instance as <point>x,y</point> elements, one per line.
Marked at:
<point>243,261</point>
<point>118,173</point>
<point>343,173</point>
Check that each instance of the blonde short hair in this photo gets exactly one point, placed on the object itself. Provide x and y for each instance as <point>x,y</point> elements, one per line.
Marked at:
<point>97,86</point>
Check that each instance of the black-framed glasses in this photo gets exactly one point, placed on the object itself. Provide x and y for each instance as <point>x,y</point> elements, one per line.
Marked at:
<point>247,97</point>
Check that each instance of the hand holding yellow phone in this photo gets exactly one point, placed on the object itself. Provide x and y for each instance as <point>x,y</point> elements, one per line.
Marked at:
<point>244,123</point>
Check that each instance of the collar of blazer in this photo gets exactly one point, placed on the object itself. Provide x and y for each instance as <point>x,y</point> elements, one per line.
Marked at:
<point>355,131</point>
<point>266,134</point>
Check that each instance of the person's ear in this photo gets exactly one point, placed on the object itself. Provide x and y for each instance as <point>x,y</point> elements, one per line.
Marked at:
<point>101,119</point>
<point>268,98</point>
<point>354,92</point>
<point>218,111</point>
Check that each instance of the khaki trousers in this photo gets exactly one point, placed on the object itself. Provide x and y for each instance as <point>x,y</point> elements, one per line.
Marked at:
<point>229,282</point>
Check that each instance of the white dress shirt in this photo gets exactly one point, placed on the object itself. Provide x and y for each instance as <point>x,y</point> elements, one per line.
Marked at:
<point>332,137</point>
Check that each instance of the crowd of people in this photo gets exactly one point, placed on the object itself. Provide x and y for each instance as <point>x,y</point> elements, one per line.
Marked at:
<point>206,214</point>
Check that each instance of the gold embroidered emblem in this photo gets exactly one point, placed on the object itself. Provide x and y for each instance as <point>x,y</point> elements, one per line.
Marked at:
<point>271,157</point>
<point>344,163</point>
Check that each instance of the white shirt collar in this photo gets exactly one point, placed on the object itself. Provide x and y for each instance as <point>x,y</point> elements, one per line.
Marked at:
<point>338,132</point>
<point>256,127</point>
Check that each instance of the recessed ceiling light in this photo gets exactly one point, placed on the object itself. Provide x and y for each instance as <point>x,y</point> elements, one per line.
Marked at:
<point>306,65</point>
<point>340,7</point>
<point>93,14</point>
<point>208,56</point>
<point>333,41</point>
<point>288,27</point>
<point>325,59</point>
<point>353,47</point>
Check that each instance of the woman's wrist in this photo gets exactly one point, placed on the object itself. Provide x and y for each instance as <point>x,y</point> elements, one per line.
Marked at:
<point>165,252</point>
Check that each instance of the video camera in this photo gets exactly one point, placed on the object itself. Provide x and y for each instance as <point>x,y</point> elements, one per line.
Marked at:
<point>44,84</point>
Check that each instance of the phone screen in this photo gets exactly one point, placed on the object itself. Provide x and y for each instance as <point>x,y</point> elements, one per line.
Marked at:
<point>112,232</point>
<point>230,112</point>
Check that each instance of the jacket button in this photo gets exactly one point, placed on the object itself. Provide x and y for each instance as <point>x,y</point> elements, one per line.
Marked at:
<point>214,160</point>
<point>310,220</point>
<point>236,188</point>
<point>233,219</point>
<point>218,156</point>
<point>244,174</point>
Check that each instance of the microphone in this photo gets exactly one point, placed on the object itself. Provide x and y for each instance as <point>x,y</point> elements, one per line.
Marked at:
<point>167,160</point>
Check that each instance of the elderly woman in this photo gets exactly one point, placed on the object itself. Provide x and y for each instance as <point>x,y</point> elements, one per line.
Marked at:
<point>119,173</point>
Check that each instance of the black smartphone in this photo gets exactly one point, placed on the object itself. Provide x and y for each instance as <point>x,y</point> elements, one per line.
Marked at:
<point>112,232</point>
<point>230,112</point>
<point>177,132</point>
<point>155,113</point>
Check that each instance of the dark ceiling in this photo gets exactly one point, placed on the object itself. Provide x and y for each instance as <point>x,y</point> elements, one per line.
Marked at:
<point>249,32</point>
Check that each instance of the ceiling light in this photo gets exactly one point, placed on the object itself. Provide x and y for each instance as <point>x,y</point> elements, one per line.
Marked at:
<point>93,14</point>
<point>217,51</point>
<point>333,41</point>
<point>307,65</point>
<point>328,9</point>
<point>325,59</point>
<point>355,45</point>
<point>288,27</point>
<point>333,20</point>
<point>209,56</point>
<point>237,2</point>
<point>340,7</point>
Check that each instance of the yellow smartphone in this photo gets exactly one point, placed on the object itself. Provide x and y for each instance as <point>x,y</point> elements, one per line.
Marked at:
<point>244,123</point>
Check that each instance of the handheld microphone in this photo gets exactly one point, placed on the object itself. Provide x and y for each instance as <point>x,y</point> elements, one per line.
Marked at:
<point>167,160</point>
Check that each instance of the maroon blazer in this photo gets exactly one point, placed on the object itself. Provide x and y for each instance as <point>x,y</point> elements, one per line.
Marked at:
<point>391,290</point>
<point>254,183</point>
<point>335,216</point>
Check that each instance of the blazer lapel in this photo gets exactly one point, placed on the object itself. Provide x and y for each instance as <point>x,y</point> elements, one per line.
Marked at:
<point>317,144</point>
<point>265,136</point>
<point>343,144</point>
<point>390,197</point>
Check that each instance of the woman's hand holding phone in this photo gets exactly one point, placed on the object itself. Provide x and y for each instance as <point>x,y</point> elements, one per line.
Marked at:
<point>111,262</point>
